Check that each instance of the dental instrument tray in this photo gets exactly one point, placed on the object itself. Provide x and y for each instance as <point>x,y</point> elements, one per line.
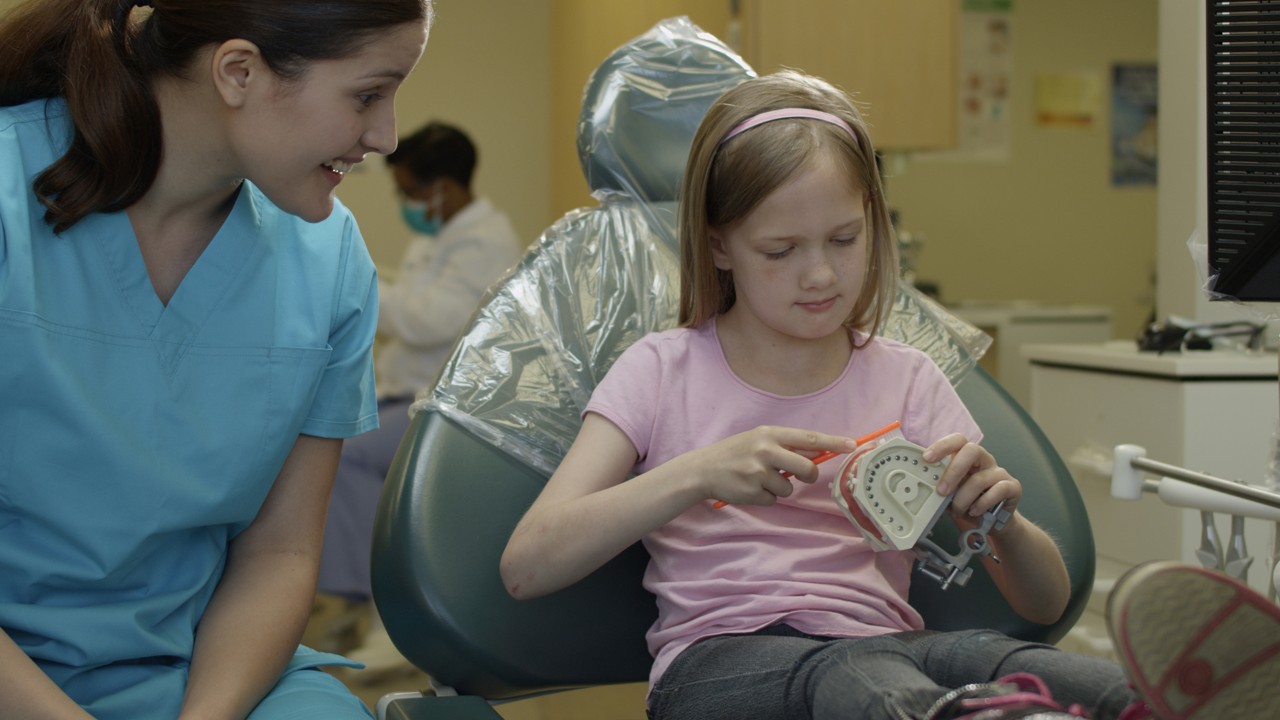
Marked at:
<point>889,493</point>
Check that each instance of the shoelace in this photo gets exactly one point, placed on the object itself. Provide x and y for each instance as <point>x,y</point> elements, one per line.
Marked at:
<point>1031,693</point>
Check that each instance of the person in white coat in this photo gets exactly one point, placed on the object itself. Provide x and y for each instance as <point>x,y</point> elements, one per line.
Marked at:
<point>462,244</point>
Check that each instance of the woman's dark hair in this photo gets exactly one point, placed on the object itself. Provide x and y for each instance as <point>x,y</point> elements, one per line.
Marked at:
<point>437,150</point>
<point>102,57</point>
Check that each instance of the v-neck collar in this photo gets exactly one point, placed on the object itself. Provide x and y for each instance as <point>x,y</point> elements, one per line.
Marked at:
<point>174,327</point>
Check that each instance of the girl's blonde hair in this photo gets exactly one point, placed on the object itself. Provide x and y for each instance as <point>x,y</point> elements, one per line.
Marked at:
<point>725,180</point>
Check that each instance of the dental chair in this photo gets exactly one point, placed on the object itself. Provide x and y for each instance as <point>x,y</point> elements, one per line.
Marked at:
<point>484,441</point>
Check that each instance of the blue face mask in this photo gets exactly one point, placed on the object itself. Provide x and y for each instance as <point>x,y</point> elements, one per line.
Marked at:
<point>415,216</point>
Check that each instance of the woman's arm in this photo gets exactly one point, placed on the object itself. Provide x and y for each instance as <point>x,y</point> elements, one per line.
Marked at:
<point>259,611</point>
<point>586,514</point>
<point>28,693</point>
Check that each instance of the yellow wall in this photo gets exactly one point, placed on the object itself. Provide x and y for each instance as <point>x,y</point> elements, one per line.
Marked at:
<point>1046,224</point>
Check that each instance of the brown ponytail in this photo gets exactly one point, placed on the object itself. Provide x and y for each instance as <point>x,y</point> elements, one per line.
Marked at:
<point>101,58</point>
<point>115,151</point>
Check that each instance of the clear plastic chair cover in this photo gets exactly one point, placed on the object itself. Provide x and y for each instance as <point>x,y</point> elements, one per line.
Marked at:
<point>602,277</point>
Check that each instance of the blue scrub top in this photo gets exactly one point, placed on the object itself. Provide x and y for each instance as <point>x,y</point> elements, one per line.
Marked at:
<point>137,439</point>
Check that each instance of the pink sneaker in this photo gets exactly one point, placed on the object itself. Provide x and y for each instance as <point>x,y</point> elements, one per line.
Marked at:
<point>1197,644</point>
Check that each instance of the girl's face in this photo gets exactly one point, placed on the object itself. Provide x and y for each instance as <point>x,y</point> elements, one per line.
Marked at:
<point>303,136</point>
<point>800,258</point>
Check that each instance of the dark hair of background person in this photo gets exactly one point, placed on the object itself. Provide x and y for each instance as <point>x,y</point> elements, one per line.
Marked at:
<point>437,150</point>
<point>102,57</point>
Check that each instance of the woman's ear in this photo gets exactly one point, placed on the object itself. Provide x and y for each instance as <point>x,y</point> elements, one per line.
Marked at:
<point>721,258</point>
<point>237,65</point>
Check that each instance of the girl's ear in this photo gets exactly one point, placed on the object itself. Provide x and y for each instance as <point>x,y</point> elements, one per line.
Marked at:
<point>237,66</point>
<point>718,255</point>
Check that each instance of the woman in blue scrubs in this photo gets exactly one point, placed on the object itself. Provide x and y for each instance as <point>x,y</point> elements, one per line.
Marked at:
<point>186,321</point>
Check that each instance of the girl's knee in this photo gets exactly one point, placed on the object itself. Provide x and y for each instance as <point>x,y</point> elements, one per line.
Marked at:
<point>872,645</point>
<point>857,657</point>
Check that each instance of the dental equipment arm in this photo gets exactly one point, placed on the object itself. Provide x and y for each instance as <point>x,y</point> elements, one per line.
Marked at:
<point>1208,494</point>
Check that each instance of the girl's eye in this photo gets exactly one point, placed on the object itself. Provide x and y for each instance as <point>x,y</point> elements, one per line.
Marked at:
<point>778,254</point>
<point>369,98</point>
<point>842,241</point>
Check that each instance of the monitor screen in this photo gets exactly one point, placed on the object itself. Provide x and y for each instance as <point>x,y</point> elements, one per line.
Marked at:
<point>1243,162</point>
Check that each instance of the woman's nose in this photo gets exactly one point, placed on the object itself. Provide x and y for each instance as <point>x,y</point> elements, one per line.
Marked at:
<point>380,136</point>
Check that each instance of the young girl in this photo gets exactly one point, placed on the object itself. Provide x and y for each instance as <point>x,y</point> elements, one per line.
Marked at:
<point>773,606</point>
<point>186,317</point>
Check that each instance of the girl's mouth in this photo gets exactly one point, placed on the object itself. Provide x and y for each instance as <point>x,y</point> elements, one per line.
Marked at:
<point>818,305</point>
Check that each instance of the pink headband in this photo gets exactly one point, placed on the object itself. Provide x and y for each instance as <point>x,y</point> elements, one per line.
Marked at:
<point>784,113</point>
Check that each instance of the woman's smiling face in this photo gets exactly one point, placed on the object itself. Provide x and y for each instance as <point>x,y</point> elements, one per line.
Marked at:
<point>299,138</point>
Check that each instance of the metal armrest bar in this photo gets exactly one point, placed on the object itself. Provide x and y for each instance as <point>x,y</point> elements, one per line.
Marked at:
<point>1240,490</point>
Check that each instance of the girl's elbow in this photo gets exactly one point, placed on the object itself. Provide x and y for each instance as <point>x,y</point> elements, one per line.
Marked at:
<point>1045,611</point>
<point>516,582</point>
<point>1045,615</point>
<point>517,589</point>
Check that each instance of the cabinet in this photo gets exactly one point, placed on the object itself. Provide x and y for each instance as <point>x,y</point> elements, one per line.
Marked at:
<point>1013,325</point>
<point>1212,412</point>
<point>897,59</point>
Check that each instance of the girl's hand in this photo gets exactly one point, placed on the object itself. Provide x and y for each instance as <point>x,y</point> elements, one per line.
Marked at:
<point>746,469</point>
<point>979,482</point>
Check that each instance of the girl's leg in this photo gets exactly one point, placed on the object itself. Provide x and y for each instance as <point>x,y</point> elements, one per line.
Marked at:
<point>782,674</point>
<point>955,659</point>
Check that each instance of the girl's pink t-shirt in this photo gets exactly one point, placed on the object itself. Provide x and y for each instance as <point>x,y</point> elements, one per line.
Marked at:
<point>741,568</point>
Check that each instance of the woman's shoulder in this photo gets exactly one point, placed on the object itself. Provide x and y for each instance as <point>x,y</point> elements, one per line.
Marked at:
<point>37,130</point>
<point>31,111</point>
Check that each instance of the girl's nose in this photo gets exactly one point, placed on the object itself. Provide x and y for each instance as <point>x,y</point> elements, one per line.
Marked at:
<point>820,272</point>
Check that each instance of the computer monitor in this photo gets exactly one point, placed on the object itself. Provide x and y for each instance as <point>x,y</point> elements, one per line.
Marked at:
<point>1243,136</point>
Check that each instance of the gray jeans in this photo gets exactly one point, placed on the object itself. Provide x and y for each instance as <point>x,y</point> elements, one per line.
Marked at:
<point>780,673</point>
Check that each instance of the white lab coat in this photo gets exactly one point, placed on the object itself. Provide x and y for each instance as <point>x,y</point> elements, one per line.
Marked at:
<point>436,290</point>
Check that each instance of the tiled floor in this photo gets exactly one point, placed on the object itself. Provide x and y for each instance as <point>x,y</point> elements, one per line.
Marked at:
<point>619,702</point>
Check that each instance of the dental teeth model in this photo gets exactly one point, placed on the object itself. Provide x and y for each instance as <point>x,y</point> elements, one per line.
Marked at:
<point>889,493</point>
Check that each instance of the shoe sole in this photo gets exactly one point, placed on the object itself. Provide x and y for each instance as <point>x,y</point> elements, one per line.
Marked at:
<point>1197,644</point>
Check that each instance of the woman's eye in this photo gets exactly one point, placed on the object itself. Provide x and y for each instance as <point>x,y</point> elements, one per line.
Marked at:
<point>848,240</point>
<point>369,98</point>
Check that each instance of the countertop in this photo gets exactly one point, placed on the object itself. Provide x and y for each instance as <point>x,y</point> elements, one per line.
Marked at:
<point>1123,356</point>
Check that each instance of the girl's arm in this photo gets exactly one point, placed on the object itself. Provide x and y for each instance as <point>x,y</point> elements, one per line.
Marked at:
<point>586,514</point>
<point>1031,574</point>
<point>260,608</point>
<point>28,693</point>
